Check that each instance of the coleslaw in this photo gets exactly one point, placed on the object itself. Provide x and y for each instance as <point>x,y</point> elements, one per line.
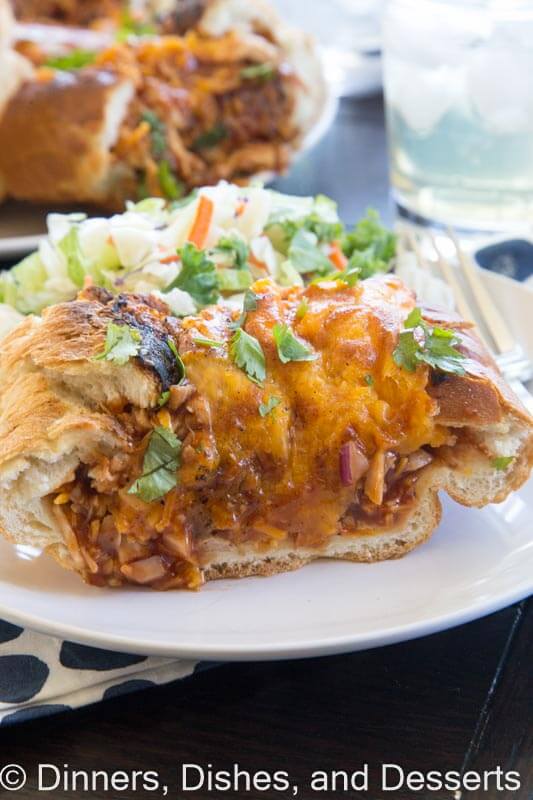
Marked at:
<point>207,247</point>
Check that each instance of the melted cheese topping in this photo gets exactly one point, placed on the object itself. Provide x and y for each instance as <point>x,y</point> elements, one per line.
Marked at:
<point>283,469</point>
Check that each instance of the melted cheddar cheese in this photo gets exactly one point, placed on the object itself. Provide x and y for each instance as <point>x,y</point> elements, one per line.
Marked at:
<point>283,469</point>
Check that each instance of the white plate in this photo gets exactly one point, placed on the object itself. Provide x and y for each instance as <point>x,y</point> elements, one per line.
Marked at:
<point>22,225</point>
<point>476,562</point>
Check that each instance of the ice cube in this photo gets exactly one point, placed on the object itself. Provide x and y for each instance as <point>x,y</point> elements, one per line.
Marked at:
<point>499,84</point>
<point>422,96</point>
<point>435,35</point>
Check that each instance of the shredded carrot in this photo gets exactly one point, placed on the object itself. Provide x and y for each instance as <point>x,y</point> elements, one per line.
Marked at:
<point>169,259</point>
<point>337,257</point>
<point>45,74</point>
<point>256,263</point>
<point>202,221</point>
<point>241,206</point>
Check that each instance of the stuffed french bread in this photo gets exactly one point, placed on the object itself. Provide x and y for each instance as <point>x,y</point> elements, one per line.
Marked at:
<point>313,422</point>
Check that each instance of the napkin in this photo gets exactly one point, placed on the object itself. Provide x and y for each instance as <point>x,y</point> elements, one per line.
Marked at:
<point>41,675</point>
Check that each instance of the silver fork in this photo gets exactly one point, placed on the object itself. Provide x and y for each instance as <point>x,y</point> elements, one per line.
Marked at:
<point>513,363</point>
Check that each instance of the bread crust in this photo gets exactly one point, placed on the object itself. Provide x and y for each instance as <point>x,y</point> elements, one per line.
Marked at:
<point>54,142</point>
<point>55,413</point>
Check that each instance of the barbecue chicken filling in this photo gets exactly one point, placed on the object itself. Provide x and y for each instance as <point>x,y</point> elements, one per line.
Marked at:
<point>204,109</point>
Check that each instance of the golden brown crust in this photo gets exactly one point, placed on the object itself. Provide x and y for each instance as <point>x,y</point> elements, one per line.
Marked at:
<point>481,396</point>
<point>467,400</point>
<point>52,134</point>
<point>66,12</point>
<point>61,348</point>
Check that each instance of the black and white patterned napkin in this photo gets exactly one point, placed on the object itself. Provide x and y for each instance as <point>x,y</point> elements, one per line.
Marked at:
<point>42,675</point>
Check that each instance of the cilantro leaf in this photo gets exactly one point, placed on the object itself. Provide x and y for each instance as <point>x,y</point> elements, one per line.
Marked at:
<point>322,221</point>
<point>163,398</point>
<point>501,462</point>
<point>369,232</point>
<point>290,348</point>
<point>210,138</point>
<point>76,59</point>
<point>350,276</point>
<point>70,247</point>
<point>248,304</point>
<point>270,405</point>
<point>406,352</point>
<point>304,254</point>
<point>171,187</point>
<point>369,380</point>
<point>370,248</point>
<point>179,360</point>
<point>263,72</point>
<point>419,343</point>
<point>203,341</point>
<point>130,26</point>
<point>198,276</point>
<point>236,248</point>
<point>414,318</point>
<point>160,465</point>
<point>248,355</point>
<point>250,301</point>
<point>158,133</point>
<point>234,280</point>
<point>122,342</point>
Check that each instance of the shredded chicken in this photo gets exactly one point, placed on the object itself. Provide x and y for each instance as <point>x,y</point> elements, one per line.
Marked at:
<point>196,110</point>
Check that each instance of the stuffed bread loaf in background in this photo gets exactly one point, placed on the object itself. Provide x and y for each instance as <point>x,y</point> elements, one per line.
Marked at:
<point>231,98</point>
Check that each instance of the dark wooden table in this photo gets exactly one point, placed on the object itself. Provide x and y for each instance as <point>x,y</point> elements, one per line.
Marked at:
<point>460,700</point>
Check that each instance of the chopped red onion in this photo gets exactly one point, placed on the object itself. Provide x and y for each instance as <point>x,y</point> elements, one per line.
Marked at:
<point>353,464</point>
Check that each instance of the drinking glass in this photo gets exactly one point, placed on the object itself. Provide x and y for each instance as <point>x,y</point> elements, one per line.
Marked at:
<point>458,78</point>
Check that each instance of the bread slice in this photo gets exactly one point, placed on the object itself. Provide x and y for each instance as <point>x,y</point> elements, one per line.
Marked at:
<point>58,410</point>
<point>14,69</point>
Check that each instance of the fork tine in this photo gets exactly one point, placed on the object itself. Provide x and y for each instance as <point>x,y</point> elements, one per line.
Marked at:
<point>491,316</point>
<point>449,276</point>
<point>414,245</point>
<point>401,247</point>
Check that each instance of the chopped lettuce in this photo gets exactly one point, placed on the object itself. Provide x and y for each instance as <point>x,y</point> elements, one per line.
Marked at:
<point>70,247</point>
<point>234,280</point>
<point>23,286</point>
<point>319,218</point>
<point>75,59</point>
<point>305,255</point>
